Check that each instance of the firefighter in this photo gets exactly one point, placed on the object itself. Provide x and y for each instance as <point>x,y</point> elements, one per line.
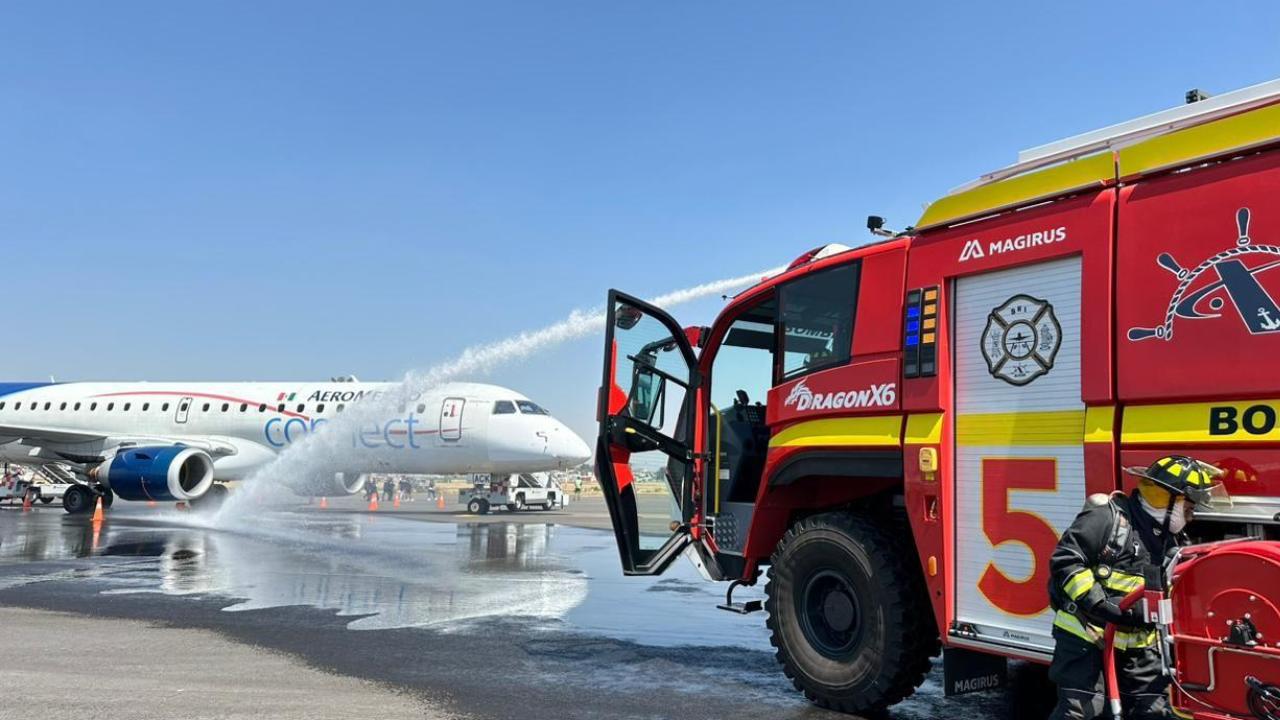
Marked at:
<point>1101,558</point>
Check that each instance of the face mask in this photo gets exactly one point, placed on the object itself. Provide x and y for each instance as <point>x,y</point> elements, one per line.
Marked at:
<point>1177,522</point>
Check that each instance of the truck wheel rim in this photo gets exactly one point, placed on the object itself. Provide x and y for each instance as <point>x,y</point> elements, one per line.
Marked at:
<point>829,614</point>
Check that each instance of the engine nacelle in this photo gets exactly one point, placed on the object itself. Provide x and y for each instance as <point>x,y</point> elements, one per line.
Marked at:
<point>170,472</point>
<point>327,484</point>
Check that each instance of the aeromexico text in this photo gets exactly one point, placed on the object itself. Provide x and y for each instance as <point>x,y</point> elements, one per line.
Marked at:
<point>396,433</point>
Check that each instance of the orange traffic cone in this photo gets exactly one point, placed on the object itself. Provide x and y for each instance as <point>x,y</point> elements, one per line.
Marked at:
<point>440,501</point>
<point>396,503</point>
<point>324,502</point>
<point>97,511</point>
<point>26,502</point>
<point>373,503</point>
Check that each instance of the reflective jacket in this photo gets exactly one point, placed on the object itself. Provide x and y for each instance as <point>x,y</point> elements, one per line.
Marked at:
<point>1103,555</point>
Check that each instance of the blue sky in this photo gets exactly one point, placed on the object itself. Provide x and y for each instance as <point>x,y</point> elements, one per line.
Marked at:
<point>279,190</point>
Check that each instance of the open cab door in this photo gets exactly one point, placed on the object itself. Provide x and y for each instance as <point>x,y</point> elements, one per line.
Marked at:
<point>646,452</point>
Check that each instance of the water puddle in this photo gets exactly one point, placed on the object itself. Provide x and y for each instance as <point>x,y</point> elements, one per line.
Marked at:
<point>384,572</point>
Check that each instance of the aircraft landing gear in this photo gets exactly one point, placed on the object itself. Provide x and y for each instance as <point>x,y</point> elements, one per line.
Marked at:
<point>83,499</point>
<point>79,499</point>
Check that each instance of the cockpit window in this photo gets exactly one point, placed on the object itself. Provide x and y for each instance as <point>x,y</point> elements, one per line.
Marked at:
<point>531,408</point>
<point>504,407</point>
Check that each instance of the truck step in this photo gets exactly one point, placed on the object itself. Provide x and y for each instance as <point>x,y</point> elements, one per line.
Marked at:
<point>742,608</point>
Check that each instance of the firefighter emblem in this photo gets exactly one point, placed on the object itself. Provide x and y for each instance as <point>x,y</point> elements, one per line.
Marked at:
<point>1021,339</point>
<point>1204,291</point>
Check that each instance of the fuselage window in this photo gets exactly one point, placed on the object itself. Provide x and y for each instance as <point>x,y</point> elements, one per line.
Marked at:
<point>504,407</point>
<point>77,407</point>
<point>1,406</point>
<point>320,408</point>
<point>301,407</point>
<point>225,406</point>
<point>262,407</point>
<point>205,408</point>
<point>111,406</point>
<point>63,406</point>
<point>280,407</point>
<point>46,405</point>
<point>126,406</point>
<point>341,407</point>
<point>244,406</point>
<point>164,407</point>
<point>421,408</point>
<point>93,406</point>
<point>146,407</point>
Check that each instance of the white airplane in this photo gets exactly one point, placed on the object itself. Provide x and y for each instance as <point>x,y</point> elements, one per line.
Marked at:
<point>179,441</point>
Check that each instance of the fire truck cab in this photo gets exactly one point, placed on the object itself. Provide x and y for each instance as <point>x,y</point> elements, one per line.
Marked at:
<point>901,431</point>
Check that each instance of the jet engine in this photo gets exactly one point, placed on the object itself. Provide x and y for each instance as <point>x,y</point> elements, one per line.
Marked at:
<point>327,484</point>
<point>170,472</point>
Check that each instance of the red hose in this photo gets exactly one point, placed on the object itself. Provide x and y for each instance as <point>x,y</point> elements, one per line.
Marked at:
<point>1109,653</point>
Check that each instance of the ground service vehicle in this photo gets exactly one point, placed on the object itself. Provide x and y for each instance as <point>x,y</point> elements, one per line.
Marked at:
<point>901,431</point>
<point>515,492</point>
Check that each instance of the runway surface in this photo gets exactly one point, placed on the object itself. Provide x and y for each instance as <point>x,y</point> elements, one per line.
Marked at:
<point>511,616</point>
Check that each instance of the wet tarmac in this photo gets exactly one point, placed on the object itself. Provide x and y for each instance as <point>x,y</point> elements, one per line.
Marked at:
<point>500,619</point>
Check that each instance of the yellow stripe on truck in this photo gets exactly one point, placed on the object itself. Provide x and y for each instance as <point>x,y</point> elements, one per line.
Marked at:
<point>1062,427</point>
<point>862,431</point>
<point>1237,132</point>
<point>1211,422</point>
<point>924,429</point>
<point>1092,171</point>
<point>1099,424</point>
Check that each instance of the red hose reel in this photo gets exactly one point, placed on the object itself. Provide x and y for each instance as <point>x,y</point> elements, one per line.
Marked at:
<point>1223,615</point>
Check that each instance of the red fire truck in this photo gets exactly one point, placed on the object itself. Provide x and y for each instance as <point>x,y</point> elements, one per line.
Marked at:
<point>900,432</point>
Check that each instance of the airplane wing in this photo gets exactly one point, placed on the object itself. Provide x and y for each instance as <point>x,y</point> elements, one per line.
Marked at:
<point>56,435</point>
<point>79,440</point>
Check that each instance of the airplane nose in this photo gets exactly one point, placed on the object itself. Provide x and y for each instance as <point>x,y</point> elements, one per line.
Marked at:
<point>570,448</point>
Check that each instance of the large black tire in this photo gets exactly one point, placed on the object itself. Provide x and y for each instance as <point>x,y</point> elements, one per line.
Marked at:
<point>848,614</point>
<point>78,500</point>
<point>474,506</point>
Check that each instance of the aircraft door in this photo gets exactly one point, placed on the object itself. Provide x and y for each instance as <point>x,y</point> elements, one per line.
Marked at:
<point>184,408</point>
<point>647,417</point>
<point>451,418</point>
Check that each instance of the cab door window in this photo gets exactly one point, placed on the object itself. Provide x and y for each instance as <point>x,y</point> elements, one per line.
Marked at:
<point>816,320</point>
